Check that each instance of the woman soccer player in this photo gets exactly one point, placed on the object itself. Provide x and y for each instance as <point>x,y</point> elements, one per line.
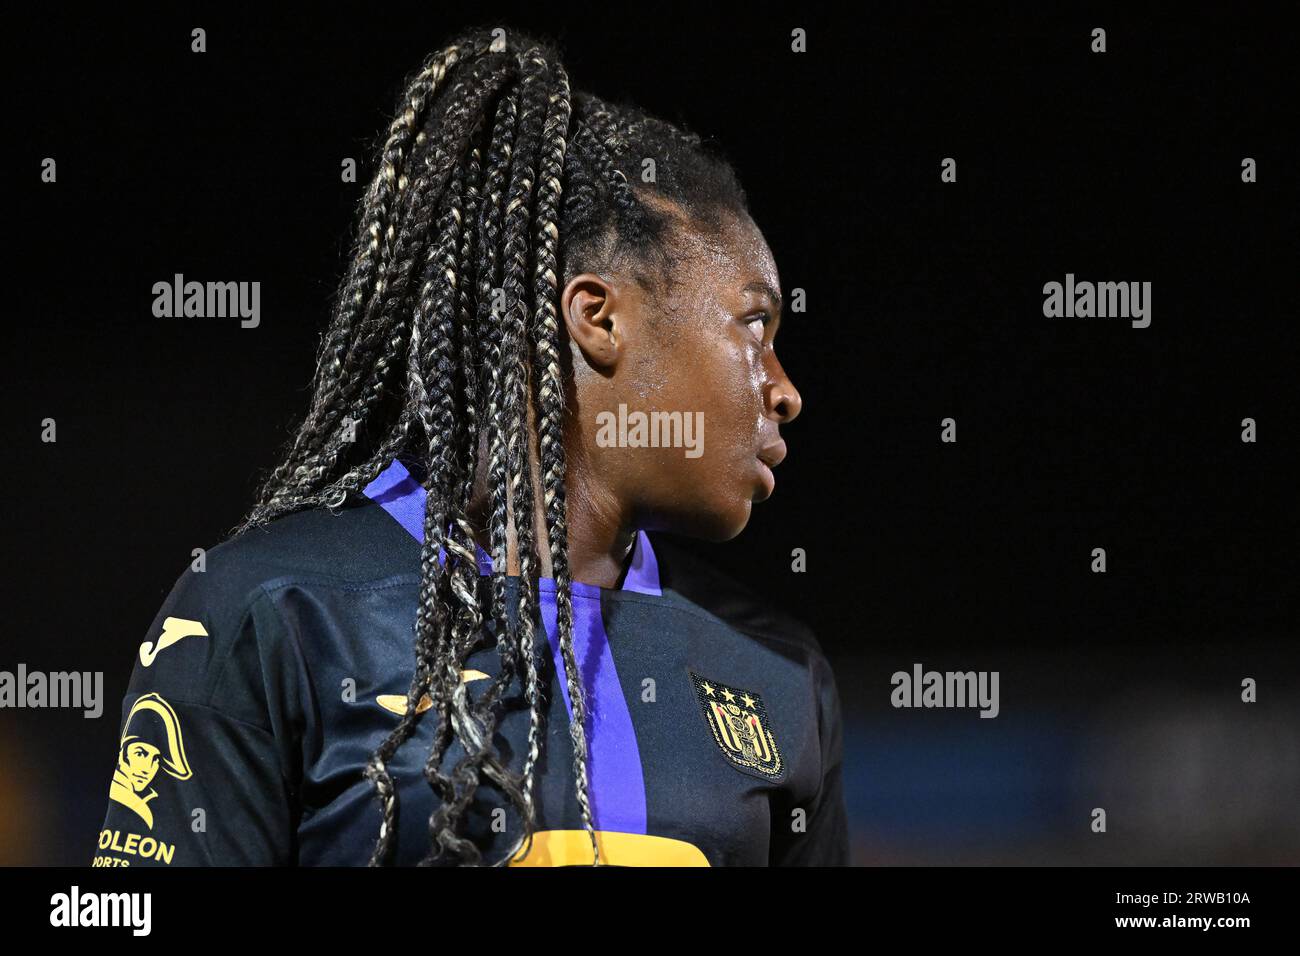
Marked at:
<point>442,634</point>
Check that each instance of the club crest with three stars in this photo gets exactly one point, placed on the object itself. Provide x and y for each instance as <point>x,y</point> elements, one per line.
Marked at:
<point>740,725</point>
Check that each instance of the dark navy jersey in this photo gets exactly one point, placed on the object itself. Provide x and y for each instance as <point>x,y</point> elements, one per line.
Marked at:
<point>269,678</point>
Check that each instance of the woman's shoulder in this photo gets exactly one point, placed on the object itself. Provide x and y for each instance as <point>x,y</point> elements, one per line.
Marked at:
<point>220,621</point>
<point>354,543</point>
<point>777,653</point>
<point>225,586</point>
<point>740,605</point>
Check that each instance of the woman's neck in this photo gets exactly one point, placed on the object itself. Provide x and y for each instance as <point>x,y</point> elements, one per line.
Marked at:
<point>600,536</point>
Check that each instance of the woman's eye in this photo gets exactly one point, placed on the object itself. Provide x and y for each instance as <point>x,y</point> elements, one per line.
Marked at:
<point>757,324</point>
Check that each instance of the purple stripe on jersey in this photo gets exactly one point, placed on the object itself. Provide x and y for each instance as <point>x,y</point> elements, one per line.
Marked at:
<point>617,784</point>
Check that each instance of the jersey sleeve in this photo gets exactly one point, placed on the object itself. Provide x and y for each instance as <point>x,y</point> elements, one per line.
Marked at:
<point>203,773</point>
<point>825,840</point>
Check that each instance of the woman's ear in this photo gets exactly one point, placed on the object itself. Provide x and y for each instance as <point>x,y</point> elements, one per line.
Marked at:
<point>589,303</point>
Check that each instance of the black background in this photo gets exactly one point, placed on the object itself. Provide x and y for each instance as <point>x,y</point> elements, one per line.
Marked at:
<point>924,301</point>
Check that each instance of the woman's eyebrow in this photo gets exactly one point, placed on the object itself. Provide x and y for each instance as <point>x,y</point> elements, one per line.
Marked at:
<point>764,289</point>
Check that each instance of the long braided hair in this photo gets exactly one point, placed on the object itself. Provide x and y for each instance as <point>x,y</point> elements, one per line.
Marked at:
<point>446,348</point>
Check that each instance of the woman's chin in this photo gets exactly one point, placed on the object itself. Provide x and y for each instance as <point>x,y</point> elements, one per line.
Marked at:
<point>727,523</point>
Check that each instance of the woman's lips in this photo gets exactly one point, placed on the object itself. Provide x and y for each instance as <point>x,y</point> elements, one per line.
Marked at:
<point>773,454</point>
<point>768,458</point>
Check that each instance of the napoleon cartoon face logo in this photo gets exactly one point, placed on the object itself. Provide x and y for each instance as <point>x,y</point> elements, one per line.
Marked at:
<point>151,737</point>
<point>740,726</point>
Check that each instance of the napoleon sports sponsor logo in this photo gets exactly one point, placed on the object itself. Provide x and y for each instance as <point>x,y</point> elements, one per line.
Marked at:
<point>922,688</point>
<point>1101,300</point>
<point>75,908</point>
<point>208,300</point>
<point>651,430</point>
<point>132,844</point>
<point>174,629</point>
<point>22,688</point>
